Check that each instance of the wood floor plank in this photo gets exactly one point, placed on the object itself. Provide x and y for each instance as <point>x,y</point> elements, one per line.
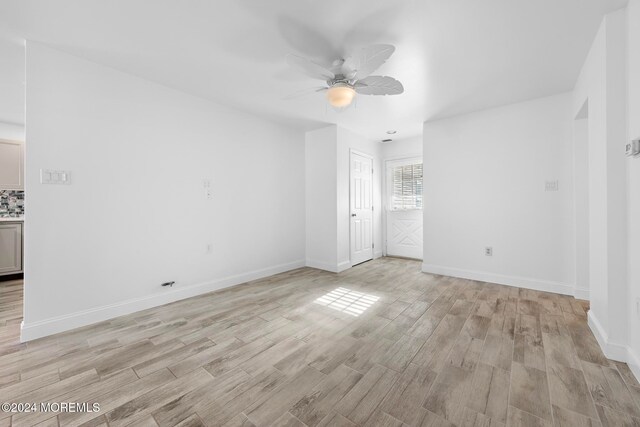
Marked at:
<point>609,389</point>
<point>477,326</point>
<point>191,421</point>
<point>530,391</point>
<point>360,403</point>
<point>448,393</point>
<point>498,351</point>
<point>172,412</point>
<point>518,418</point>
<point>313,407</point>
<point>382,419</point>
<point>569,390</point>
<point>469,418</point>
<point>612,418</point>
<point>287,420</point>
<point>120,396</point>
<point>466,352</point>
<point>429,419</point>
<point>169,358</point>
<point>408,394</point>
<point>586,346</point>
<point>147,403</point>
<point>271,407</point>
<point>627,375</point>
<point>489,392</point>
<point>559,351</point>
<point>435,351</point>
<point>398,356</point>
<point>335,420</point>
<point>565,418</point>
<point>223,409</point>
<point>529,351</point>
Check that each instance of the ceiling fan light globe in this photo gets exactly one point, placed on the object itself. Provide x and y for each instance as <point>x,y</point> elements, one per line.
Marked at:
<point>340,95</point>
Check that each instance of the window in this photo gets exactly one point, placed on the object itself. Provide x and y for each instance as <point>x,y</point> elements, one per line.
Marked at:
<point>407,187</point>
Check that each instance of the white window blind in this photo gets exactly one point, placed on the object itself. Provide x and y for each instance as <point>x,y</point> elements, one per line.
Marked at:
<point>407,187</point>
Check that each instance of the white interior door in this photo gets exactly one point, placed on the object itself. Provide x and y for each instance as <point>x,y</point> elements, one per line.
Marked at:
<point>361,208</point>
<point>404,208</point>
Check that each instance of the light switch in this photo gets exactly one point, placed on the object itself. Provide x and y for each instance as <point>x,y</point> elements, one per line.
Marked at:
<point>45,176</point>
<point>633,148</point>
<point>48,176</point>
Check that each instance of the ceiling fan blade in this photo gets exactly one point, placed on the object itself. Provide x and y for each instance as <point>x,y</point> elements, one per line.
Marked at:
<point>304,92</point>
<point>367,60</point>
<point>379,85</point>
<point>309,68</point>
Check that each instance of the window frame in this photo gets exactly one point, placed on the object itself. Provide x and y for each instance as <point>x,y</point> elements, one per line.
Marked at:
<point>390,166</point>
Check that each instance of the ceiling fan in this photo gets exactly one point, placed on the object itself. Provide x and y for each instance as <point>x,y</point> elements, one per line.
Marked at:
<point>346,77</point>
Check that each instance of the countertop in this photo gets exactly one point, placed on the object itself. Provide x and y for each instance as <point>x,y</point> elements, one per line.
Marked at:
<point>10,219</point>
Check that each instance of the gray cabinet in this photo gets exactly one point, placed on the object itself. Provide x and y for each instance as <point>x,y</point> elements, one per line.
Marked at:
<point>11,165</point>
<point>10,248</point>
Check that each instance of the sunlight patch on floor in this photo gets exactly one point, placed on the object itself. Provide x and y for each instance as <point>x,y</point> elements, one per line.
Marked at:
<point>347,301</point>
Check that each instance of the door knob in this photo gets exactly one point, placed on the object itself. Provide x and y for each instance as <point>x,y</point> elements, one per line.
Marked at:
<point>353,214</point>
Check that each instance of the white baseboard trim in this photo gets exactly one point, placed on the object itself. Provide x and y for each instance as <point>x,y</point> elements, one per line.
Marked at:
<point>615,351</point>
<point>327,266</point>
<point>521,282</point>
<point>321,265</point>
<point>581,293</point>
<point>54,325</point>
<point>634,362</point>
<point>377,254</point>
<point>344,265</point>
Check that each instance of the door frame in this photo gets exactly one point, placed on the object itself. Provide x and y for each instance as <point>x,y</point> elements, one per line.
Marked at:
<point>386,195</point>
<point>373,251</point>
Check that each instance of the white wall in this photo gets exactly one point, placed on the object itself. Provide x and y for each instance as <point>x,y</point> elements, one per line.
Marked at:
<point>581,203</point>
<point>321,198</point>
<point>327,190</point>
<point>11,131</point>
<point>602,84</point>
<point>406,147</point>
<point>135,214</point>
<point>484,185</point>
<point>633,186</point>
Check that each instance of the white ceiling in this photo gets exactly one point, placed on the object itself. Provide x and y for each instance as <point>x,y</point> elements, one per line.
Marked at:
<point>453,56</point>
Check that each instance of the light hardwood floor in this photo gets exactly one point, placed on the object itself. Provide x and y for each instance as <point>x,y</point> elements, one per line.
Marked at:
<point>380,344</point>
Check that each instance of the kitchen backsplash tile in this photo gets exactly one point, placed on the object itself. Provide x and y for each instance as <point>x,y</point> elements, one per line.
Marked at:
<point>11,203</point>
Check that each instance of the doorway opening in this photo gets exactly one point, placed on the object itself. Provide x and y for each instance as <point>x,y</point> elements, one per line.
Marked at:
<point>361,207</point>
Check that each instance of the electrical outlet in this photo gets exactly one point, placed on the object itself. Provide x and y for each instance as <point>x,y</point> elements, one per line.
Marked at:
<point>206,184</point>
<point>551,185</point>
<point>488,251</point>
